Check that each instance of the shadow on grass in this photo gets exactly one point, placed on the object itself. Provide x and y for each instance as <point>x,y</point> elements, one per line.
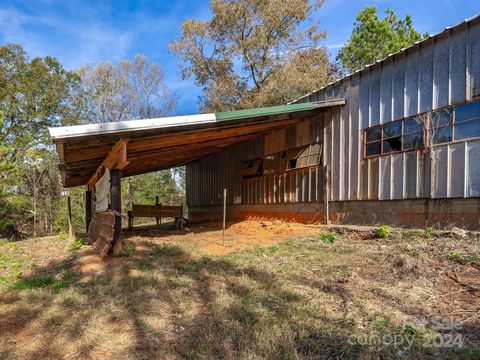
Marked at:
<point>210,307</point>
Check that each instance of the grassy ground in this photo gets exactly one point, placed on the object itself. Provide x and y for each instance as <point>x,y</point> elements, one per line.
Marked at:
<point>350,295</point>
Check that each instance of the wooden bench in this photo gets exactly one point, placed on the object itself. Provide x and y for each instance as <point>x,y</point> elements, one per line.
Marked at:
<point>157,212</point>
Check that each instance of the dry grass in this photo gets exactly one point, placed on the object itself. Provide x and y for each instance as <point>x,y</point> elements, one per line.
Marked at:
<point>299,297</point>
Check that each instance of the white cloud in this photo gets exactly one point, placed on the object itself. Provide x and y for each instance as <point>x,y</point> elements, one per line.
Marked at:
<point>74,43</point>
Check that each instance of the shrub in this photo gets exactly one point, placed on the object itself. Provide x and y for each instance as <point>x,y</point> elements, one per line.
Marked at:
<point>328,237</point>
<point>455,256</point>
<point>411,234</point>
<point>383,231</point>
<point>76,244</point>
<point>428,232</point>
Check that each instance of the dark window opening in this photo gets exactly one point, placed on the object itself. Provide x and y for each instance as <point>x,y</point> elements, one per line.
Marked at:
<point>392,145</point>
<point>251,168</point>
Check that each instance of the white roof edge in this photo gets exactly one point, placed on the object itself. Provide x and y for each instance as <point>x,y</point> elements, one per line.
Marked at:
<point>63,132</point>
<point>467,20</point>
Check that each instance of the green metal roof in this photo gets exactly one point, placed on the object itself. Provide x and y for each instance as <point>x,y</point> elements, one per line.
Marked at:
<point>264,111</point>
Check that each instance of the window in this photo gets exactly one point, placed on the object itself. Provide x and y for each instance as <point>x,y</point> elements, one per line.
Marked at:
<point>467,121</point>
<point>412,134</point>
<point>251,168</point>
<point>304,157</point>
<point>394,137</point>
<point>454,123</point>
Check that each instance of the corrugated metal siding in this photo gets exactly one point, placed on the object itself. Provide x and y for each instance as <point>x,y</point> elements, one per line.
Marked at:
<point>440,71</point>
<point>206,178</point>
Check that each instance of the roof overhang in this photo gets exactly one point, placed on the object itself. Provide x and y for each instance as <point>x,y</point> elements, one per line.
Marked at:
<point>162,143</point>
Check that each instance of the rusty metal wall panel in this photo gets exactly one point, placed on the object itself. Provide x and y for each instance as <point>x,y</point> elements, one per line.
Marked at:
<point>441,71</point>
<point>458,64</point>
<point>411,82</point>
<point>355,145</point>
<point>373,179</point>
<point>365,99</point>
<point>473,170</point>
<point>425,75</point>
<point>398,86</point>
<point>337,144</point>
<point>385,177</point>
<point>440,167</point>
<point>375,95</point>
<point>457,170</point>
<point>423,174</point>
<point>303,133</point>
<point>397,176</point>
<point>410,175</point>
<point>474,58</point>
<point>386,92</point>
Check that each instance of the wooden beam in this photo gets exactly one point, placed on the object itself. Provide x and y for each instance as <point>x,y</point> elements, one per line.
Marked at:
<point>115,160</point>
<point>116,204</point>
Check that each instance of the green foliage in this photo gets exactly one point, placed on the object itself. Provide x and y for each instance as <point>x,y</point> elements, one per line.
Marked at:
<point>64,282</point>
<point>60,214</point>
<point>33,282</point>
<point>380,320</point>
<point>254,53</point>
<point>128,249</point>
<point>428,232</point>
<point>76,244</point>
<point>455,256</point>
<point>373,39</point>
<point>383,231</point>
<point>411,234</point>
<point>328,237</point>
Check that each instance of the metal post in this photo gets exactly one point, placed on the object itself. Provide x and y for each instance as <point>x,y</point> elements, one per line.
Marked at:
<point>224,214</point>
<point>156,203</point>
<point>326,188</point>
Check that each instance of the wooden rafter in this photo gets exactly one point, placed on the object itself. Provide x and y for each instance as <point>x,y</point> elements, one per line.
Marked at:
<point>116,159</point>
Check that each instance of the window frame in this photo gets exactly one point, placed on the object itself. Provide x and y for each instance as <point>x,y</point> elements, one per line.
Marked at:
<point>307,157</point>
<point>453,124</point>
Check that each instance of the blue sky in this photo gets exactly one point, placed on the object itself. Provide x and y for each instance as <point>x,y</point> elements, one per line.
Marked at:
<point>79,32</point>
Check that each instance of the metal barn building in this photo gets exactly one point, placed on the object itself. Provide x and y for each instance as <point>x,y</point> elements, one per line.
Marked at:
<point>397,142</point>
<point>373,146</point>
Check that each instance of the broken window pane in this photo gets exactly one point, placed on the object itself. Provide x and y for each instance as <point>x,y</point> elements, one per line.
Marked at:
<point>373,148</point>
<point>412,125</point>
<point>467,130</point>
<point>392,129</point>
<point>467,111</point>
<point>392,144</point>
<point>413,141</point>
<point>374,133</point>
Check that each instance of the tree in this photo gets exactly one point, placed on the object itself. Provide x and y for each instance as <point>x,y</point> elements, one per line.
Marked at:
<point>124,91</point>
<point>254,53</point>
<point>373,39</point>
<point>34,94</point>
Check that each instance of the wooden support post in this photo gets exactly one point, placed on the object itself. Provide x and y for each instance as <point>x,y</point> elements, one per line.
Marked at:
<point>116,204</point>
<point>88,209</point>
<point>326,189</point>
<point>69,211</point>
<point>157,203</point>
